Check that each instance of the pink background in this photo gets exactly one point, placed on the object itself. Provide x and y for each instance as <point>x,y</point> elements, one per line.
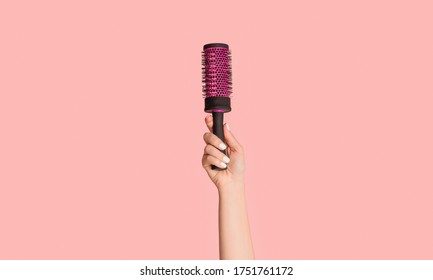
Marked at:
<point>101,120</point>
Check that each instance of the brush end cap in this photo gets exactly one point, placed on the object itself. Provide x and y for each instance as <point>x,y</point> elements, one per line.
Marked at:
<point>215,45</point>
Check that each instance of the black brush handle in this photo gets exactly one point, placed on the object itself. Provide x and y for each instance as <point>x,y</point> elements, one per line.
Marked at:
<point>218,130</point>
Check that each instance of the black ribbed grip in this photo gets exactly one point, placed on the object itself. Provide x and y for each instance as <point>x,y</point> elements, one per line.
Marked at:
<point>217,103</point>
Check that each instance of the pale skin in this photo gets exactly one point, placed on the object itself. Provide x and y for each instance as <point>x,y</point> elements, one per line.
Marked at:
<point>234,230</point>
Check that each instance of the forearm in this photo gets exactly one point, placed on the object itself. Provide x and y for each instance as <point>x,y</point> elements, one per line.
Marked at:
<point>234,230</point>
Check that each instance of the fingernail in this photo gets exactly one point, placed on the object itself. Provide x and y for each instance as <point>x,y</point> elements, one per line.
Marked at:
<point>228,127</point>
<point>223,146</point>
<point>226,159</point>
<point>223,165</point>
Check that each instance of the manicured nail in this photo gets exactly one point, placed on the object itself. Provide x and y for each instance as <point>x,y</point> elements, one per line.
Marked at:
<point>226,159</point>
<point>228,127</point>
<point>223,146</point>
<point>223,165</point>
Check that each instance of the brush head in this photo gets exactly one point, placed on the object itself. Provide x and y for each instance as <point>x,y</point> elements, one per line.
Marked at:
<point>216,77</point>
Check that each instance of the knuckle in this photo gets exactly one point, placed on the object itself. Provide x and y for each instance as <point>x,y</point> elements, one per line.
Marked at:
<point>206,136</point>
<point>204,160</point>
<point>206,149</point>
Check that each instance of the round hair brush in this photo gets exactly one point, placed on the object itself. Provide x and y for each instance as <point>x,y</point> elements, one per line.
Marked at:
<point>217,85</point>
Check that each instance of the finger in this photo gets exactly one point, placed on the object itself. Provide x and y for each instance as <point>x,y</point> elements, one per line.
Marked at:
<point>230,139</point>
<point>211,150</point>
<point>209,160</point>
<point>207,165</point>
<point>213,140</point>
<point>209,122</point>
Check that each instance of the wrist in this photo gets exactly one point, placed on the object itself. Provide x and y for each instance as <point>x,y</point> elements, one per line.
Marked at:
<point>234,188</point>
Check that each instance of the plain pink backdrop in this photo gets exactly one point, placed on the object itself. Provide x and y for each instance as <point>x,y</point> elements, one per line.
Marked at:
<point>101,124</point>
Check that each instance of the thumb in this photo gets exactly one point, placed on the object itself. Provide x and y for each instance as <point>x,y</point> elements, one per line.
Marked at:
<point>230,139</point>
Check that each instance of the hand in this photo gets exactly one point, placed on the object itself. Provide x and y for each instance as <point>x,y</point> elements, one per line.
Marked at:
<point>213,155</point>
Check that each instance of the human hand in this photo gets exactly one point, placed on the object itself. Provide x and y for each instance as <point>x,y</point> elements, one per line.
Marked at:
<point>233,175</point>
